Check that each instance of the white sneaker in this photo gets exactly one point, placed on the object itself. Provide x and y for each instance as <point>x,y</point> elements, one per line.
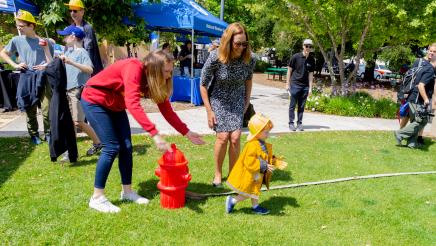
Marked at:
<point>102,204</point>
<point>65,157</point>
<point>133,197</point>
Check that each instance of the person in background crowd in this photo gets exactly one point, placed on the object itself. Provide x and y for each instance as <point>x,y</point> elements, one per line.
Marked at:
<point>185,58</point>
<point>34,54</point>
<point>105,99</point>
<point>419,101</point>
<point>214,46</point>
<point>166,48</point>
<point>77,11</point>
<point>299,82</point>
<point>226,82</point>
<point>79,67</point>
<point>404,108</point>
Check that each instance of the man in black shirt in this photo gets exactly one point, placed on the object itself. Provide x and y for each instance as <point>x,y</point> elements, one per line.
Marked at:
<point>419,100</point>
<point>299,82</point>
<point>185,57</point>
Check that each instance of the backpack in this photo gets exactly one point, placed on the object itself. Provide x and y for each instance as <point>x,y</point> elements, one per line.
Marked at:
<point>409,82</point>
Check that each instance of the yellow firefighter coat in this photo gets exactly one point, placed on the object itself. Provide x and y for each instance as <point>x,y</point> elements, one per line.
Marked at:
<point>245,177</point>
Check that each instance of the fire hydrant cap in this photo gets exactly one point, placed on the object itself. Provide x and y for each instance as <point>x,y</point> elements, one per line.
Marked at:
<point>176,157</point>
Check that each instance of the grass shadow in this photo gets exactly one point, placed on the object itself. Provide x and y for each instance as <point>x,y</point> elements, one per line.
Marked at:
<point>83,162</point>
<point>148,189</point>
<point>275,205</point>
<point>207,188</point>
<point>282,175</point>
<point>427,143</point>
<point>141,149</point>
<point>14,152</point>
<point>201,188</point>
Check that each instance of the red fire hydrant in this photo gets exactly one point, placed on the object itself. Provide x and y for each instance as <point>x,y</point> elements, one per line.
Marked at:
<point>174,177</point>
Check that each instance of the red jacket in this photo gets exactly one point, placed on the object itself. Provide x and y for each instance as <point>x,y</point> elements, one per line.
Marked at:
<point>120,87</point>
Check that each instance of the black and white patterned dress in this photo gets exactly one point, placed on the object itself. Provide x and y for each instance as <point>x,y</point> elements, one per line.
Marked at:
<point>227,97</point>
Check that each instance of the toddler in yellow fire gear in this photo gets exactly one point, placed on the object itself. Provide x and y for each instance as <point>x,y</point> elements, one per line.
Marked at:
<point>253,164</point>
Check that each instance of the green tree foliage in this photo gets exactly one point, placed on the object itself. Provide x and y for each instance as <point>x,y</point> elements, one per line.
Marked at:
<point>351,28</point>
<point>7,28</point>
<point>106,17</point>
<point>397,56</point>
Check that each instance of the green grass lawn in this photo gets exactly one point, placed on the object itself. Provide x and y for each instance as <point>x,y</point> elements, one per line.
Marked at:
<point>45,203</point>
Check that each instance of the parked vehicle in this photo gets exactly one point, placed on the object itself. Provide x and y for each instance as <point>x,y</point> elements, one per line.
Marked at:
<point>380,71</point>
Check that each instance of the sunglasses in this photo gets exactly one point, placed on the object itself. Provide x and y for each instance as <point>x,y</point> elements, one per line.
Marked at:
<point>239,44</point>
<point>308,46</point>
<point>74,11</point>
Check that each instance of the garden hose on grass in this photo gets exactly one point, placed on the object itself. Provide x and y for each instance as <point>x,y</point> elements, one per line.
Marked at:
<point>198,196</point>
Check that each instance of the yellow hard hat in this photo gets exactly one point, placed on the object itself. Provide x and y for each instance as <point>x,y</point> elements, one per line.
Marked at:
<point>257,124</point>
<point>75,5</point>
<point>26,16</point>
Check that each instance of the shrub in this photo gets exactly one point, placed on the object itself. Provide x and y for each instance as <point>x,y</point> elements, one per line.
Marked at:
<point>261,66</point>
<point>358,104</point>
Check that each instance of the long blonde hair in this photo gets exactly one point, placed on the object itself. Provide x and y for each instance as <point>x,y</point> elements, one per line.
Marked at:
<point>159,89</point>
<point>226,44</point>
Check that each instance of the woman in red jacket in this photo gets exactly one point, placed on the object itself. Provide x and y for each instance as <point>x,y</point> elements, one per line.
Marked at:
<point>105,99</point>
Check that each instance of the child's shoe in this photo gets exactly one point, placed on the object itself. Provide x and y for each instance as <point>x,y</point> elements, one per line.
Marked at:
<point>260,210</point>
<point>229,204</point>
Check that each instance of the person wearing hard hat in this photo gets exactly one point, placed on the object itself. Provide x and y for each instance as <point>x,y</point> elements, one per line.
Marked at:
<point>34,54</point>
<point>77,11</point>
<point>253,167</point>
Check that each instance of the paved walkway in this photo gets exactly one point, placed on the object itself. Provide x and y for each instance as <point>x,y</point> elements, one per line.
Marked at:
<point>268,100</point>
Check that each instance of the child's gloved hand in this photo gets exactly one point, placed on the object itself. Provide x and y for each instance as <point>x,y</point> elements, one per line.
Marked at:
<point>270,168</point>
<point>279,163</point>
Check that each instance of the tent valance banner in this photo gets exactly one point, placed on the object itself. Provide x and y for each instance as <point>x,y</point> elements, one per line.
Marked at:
<point>12,6</point>
<point>179,16</point>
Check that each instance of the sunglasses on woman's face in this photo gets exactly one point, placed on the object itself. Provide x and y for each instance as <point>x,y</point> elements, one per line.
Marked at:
<point>73,11</point>
<point>308,46</point>
<point>239,44</point>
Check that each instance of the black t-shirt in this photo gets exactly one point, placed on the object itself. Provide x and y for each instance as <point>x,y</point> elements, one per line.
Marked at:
<point>301,67</point>
<point>184,52</point>
<point>427,76</point>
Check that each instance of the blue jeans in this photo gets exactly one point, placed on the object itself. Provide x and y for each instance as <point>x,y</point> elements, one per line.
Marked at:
<point>299,95</point>
<point>113,130</point>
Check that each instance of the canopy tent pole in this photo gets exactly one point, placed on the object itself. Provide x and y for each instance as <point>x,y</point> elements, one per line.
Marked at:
<point>15,16</point>
<point>158,38</point>
<point>192,48</point>
<point>222,10</point>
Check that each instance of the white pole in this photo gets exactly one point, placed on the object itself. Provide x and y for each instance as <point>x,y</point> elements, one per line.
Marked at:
<point>15,16</point>
<point>222,10</point>
<point>192,48</point>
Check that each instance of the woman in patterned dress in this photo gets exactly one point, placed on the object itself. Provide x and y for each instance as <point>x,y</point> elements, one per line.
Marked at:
<point>226,81</point>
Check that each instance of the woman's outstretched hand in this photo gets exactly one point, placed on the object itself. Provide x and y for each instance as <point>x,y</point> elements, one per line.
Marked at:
<point>195,138</point>
<point>161,144</point>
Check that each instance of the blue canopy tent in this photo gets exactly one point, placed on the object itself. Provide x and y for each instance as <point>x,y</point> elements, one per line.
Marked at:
<point>12,6</point>
<point>198,40</point>
<point>185,17</point>
<point>180,16</point>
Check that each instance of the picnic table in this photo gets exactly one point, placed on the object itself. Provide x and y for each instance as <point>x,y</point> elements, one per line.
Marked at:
<point>281,72</point>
